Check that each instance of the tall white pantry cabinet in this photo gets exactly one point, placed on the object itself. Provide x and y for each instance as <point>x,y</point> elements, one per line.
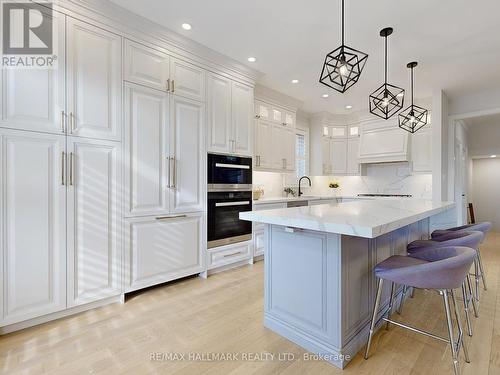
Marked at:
<point>60,177</point>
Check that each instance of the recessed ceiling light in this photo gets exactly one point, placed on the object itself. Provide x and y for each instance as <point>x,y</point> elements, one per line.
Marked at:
<point>295,81</point>
<point>348,106</point>
<point>325,95</point>
<point>493,156</point>
<point>186,26</point>
<point>252,59</point>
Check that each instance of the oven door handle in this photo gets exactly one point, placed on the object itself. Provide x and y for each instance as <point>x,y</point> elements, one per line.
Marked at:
<point>226,204</point>
<point>234,166</point>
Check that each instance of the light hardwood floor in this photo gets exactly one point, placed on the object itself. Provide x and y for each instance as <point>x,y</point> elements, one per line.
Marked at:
<point>224,314</point>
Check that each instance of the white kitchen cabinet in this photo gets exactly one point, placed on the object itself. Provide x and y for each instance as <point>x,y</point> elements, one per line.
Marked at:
<point>187,152</point>
<point>187,80</point>
<point>421,150</point>
<point>94,81</point>
<point>274,146</point>
<point>162,249</point>
<point>338,155</point>
<point>262,110</point>
<point>146,66</point>
<point>219,113</point>
<point>352,156</point>
<point>289,148</point>
<point>289,118</point>
<point>33,224</point>
<point>264,144</point>
<point>229,254</point>
<point>94,220</point>
<point>34,99</point>
<point>229,98</point>
<point>259,244</point>
<point>146,150</point>
<point>326,156</point>
<point>242,102</point>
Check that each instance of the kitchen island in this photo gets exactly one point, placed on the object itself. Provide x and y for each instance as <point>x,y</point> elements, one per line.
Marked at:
<point>319,260</point>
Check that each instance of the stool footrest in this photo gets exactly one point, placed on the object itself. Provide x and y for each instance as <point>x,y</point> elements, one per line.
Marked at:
<point>417,330</point>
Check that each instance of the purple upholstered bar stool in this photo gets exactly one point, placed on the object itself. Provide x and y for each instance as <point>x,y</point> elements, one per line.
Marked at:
<point>483,227</point>
<point>466,239</point>
<point>442,269</point>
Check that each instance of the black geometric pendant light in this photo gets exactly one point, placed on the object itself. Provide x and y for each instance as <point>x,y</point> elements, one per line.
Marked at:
<point>343,66</point>
<point>388,99</point>
<point>414,117</point>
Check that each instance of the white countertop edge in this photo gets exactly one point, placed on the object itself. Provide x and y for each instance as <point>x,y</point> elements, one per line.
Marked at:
<point>343,228</point>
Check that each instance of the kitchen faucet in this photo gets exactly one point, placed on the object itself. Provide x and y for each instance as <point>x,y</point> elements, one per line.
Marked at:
<point>300,180</point>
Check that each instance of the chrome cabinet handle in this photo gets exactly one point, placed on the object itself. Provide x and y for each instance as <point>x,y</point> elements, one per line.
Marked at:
<point>173,85</point>
<point>63,168</point>
<point>168,173</point>
<point>257,116</point>
<point>169,217</point>
<point>257,163</point>
<point>63,128</point>
<point>71,161</point>
<point>172,185</point>
<point>71,122</point>
<point>168,85</point>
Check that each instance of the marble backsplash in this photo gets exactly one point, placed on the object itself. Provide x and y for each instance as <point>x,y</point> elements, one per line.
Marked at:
<point>394,178</point>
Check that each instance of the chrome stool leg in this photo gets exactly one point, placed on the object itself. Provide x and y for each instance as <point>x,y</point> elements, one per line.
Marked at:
<point>389,311</point>
<point>466,308</point>
<point>460,341</point>
<point>481,269</point>
<point>471,297</point>
<point>402,301</point>
<point>456,364</point>
<point>476,276</point>
<point>374,316</point>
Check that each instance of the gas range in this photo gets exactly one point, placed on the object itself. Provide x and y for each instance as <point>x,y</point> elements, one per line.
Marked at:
<point>386,195</point>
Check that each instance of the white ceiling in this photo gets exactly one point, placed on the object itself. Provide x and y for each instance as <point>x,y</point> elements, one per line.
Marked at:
<point>456,42</point>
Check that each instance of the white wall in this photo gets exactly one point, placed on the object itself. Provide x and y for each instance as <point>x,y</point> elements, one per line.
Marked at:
<point>474,102</point>
<point>484,138</point>
<point>486,188</point>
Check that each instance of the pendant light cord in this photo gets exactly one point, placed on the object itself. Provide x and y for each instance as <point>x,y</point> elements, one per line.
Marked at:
<point>412,86</point>
<point>386,59</point>
<point>342,22</point>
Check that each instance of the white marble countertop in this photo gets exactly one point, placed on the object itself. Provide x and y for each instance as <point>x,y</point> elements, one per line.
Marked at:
<point>362,218</point>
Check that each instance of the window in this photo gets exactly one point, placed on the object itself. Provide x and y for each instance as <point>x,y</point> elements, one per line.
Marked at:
<point>301,154</point>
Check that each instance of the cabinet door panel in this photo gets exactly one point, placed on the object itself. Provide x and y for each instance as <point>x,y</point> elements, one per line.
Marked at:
<point>33,99</point>
<point>146,151</point>
<point>94,81</point>
<point>146,66</point>
<point>352,155</point>
<point>94,221</point>
<point>162,250</point>
<point>289,153</point>
<point>326,156</point>
<point>338,149</point>
<point>187,140</point>
<point>242,118</point>
<point>264,144</point>
<point>278,150</point>
<point>187,80</point>
<point>219,113</point>
<point>33,224</point>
